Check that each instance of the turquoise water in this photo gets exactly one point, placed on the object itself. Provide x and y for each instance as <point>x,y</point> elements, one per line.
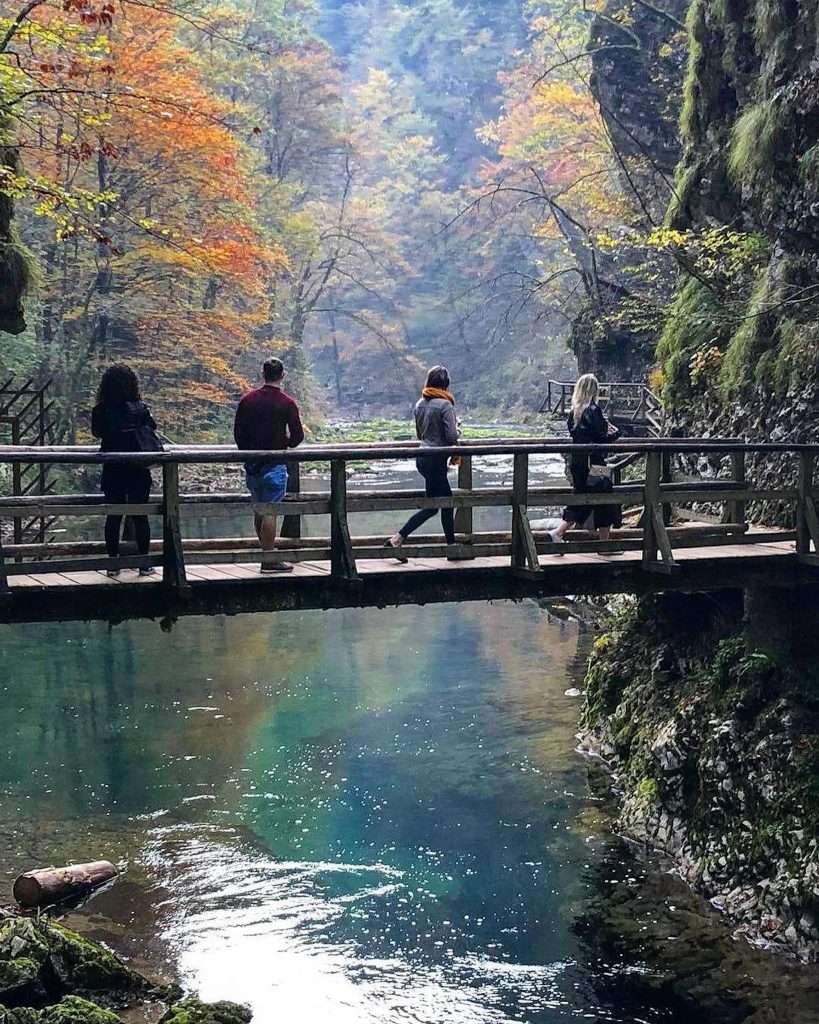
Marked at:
<point>369,816</point>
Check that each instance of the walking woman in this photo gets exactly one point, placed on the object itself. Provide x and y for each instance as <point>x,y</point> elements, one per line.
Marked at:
<point>589,472</point>
<point>123,423</point>
<point>436,427</point>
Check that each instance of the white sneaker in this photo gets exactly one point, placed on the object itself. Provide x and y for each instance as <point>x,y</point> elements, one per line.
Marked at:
<point>553,537</point>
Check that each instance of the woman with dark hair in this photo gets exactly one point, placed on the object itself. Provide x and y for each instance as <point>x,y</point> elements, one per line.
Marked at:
<point>124,424</point>
<point>436,427</point>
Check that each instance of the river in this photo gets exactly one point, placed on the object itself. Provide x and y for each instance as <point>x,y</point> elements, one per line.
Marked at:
<point>370,816</point>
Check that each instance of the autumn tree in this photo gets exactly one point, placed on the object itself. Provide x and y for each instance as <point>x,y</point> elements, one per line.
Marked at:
<point>135,199</point>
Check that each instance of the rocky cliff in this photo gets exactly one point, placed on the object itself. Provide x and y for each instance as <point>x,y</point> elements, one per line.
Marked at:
<point>740,350</point>
<point>708,708</point>
<point>638,60</point>
<point>715,748</point>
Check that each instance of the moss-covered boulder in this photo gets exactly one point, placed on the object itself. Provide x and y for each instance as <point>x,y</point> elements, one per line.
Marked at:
<point>192,1011</point>
<point>74,1010</point>
<point>84,966</point>
<point>41,961</point>
<point>24,952</point>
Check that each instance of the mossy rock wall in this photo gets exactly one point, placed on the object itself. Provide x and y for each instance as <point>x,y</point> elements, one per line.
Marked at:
<point>716,749</point>
<point>750,165</point>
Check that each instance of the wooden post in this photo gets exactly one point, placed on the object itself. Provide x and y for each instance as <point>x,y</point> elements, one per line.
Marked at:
<point>736,509</point>
<point>16,484</point>
<point>463,516</point>
<point>666,479</point>
<point>655,536</point>
<point>342,560</point>
<point>524,551</point>
<point>807,527</point>
<point>291,525</point>
<point>173,557</point>
<point>4,580</point>
<point>651,499</point>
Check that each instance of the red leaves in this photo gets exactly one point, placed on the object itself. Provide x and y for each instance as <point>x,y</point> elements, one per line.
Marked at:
<point>88,14</point>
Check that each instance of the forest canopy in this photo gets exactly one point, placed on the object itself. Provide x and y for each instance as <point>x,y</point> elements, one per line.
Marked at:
<point>363,188</point>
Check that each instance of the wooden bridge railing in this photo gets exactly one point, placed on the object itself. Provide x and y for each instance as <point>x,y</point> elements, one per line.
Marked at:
<point>656,493</point>
<point>626,402</point>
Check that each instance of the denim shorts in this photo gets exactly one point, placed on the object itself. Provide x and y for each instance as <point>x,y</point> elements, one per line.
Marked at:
<point>268,486</point>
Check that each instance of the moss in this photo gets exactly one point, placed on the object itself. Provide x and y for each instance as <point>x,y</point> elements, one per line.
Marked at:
<point>756,138</point>
<point>769,21</point>
<point>19,1015</point>
<point>689,118</point>
<point>686,178</point>
<point>73,1010</point>
<point>192,1011</point>
<point>751,339</point>
<point>87,966</point>
<point>646,790</point>
<point>809,166</point>
<point>693,322</point>
<point>23,953</point>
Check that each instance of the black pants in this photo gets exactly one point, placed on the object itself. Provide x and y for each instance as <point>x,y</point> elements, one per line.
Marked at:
<point>124,484</point>
<point>604,515</point>
<point>433,469</point>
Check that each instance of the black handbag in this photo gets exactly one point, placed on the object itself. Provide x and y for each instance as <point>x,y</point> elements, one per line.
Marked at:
<point>147,439</point>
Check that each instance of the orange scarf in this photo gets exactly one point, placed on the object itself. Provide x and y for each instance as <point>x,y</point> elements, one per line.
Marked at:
<point>438,393</point>
<point>449,397</point>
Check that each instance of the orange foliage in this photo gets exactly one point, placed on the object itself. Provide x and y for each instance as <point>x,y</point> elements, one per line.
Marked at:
<point>145,190</point>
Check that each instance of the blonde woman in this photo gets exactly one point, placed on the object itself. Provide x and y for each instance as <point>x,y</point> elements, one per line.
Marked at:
<point>588,425</point>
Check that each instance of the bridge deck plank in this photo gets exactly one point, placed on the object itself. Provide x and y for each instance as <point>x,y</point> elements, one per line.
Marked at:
<point>201,575</point>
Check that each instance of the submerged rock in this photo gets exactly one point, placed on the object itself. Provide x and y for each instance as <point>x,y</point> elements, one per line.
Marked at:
<point>192,1011</point>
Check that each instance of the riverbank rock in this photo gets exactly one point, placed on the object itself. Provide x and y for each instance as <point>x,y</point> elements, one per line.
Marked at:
<point>716,750</point>
<point>192,1011</point>
<point>51,975</point>
<point>42,961</point>
<point>74,1010</point>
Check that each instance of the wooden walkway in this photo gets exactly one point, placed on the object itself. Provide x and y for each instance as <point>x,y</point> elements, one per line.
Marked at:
<point>65,580</point>
<point>240,587</point>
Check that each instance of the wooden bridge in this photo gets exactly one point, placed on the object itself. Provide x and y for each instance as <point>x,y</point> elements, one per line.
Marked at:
<point>66,580</point>
<point>634,408</point>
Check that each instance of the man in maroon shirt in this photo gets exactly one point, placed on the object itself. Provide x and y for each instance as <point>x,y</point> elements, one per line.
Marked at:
<point>267,419</point>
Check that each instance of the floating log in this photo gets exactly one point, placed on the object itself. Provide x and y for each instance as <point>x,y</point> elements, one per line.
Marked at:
<point>47,886</point>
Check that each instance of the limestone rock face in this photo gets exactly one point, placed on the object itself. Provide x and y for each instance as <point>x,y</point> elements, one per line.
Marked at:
<point>750,166</point>
<point>716,749</point>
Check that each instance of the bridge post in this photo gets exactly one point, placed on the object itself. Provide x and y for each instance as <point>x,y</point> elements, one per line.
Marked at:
<point>463,516</point>
<point>173,557</point>
<point>807,525</point>
<point>4,580</point>
<point>342,560</point>
<point>735,510</point>
<point>655,536</point>
<point>524,550</point>
<point>291,525</point>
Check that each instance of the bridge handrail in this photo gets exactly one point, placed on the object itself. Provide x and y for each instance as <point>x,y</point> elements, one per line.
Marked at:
<point>656,493</point>
<point>222,454</point>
